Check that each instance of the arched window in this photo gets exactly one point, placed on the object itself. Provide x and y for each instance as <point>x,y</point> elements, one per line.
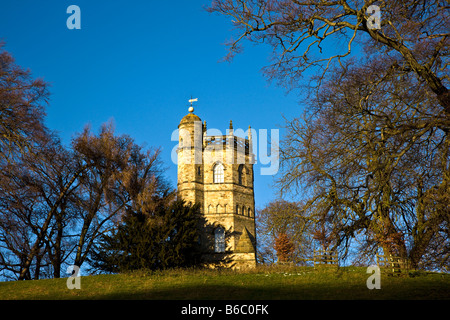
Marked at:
<point>240,174</point>
<point>237,209</point>
<point>219,240</point>
<point>218,173</point>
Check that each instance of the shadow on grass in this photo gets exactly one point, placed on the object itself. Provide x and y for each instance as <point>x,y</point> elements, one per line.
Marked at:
<point>305,292</point>
<point>223,292</point>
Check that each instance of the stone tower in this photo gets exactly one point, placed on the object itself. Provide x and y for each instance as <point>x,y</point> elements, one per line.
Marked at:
<point>217,172</point>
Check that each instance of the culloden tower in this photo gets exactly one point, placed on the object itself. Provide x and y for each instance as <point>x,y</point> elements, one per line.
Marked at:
<point>217,172</point>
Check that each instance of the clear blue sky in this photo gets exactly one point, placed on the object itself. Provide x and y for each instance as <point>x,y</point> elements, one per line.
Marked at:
<point>138,62</point>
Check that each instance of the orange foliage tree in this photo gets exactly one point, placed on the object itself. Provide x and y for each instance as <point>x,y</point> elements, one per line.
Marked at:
<point>284,247</point>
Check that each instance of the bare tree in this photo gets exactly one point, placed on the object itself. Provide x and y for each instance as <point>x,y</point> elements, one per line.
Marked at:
<point>56,202</point>
<point>373,149</point>
<point>413,34</point>
<point>22,103</point>
<point>35,189</point>
<point>119,176</point>
<point>32,184</point>
<point>284,225</point>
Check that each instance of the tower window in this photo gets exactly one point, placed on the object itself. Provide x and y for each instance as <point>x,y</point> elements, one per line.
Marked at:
<point>240,173</point>
<point>218,173</point>
<point>219,240</point>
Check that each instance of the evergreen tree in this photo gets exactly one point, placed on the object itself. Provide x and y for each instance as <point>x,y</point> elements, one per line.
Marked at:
<point>166,237</point>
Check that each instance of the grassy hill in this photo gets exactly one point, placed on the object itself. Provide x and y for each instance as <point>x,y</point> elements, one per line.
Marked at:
<point>262,284</point>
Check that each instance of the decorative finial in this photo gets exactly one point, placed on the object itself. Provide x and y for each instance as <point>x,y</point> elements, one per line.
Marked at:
<point>191,101</point>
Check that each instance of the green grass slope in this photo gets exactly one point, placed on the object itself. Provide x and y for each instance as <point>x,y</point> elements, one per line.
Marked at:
<point>261,283</point>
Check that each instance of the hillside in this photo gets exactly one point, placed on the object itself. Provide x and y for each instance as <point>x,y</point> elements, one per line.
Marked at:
<point>261,284</point>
